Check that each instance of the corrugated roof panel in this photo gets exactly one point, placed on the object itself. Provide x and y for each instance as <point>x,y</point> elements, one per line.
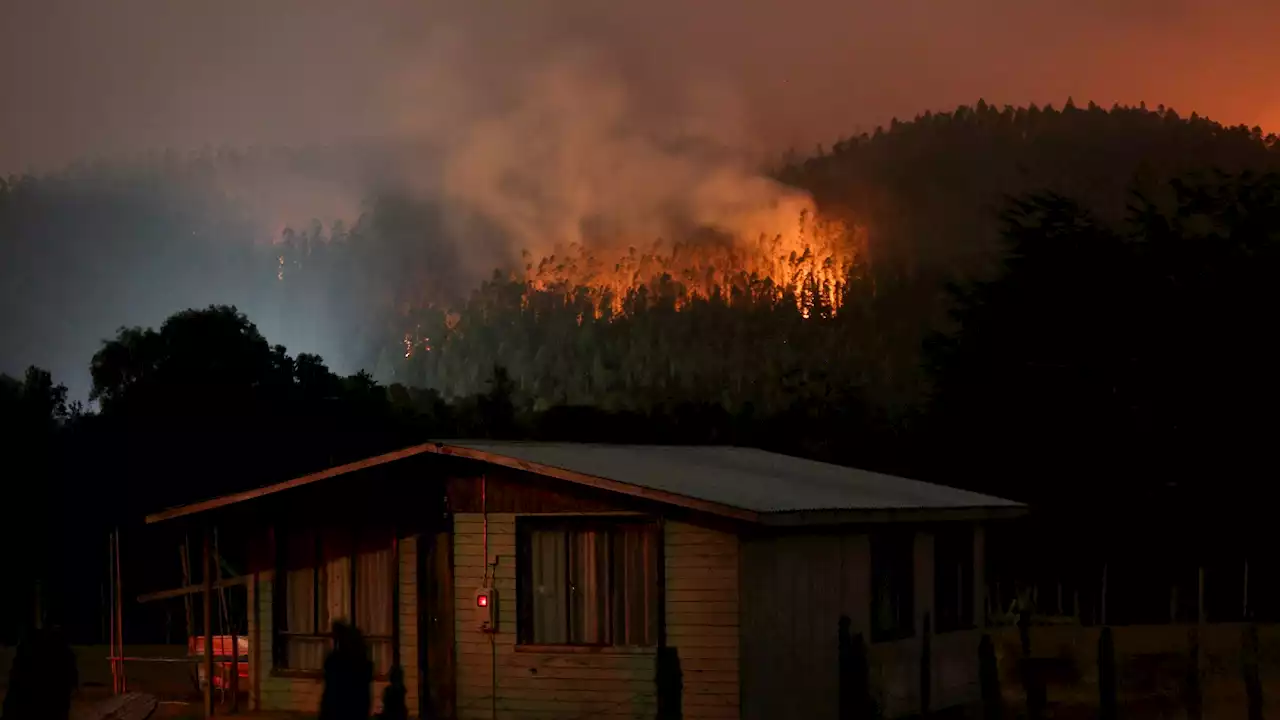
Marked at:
<point>745,478</point>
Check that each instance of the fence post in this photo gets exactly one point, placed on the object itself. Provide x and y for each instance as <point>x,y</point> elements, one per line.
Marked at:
<point>854,673</point>
<point>670,682</point>
<point>989,678</point>
<point>1032,684</point>
<point>1194,696</point>
<point>926,666</point>
<point>1106,675</point>
<point>1252,682</point>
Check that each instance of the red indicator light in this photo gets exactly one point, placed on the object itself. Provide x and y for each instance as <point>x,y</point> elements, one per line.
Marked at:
<point>482,600</point>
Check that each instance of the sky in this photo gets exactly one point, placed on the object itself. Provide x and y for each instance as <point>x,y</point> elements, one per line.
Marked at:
<point>86,77</point>
<point>531,119</point>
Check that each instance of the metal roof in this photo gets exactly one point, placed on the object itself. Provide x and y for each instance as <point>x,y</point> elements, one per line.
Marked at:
<point>740,477</point>
<point>735,482</point>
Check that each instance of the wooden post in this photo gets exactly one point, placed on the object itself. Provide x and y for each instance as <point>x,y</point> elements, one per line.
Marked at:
<point>926,667</point>
<point>1103,613</point>
<point>1202,615</point>
<point>395,599</point>
<point>207,594</point>
<point>111,612</point>
<point>1245,609</point>
<point>185,552</point>
<point>120,617</point>
<point>235,667</point>
<point>989,679</point>
<point>1193,693</point>
<point>1252,681</point>
<point>39,607</point>
<point>1106,675</point>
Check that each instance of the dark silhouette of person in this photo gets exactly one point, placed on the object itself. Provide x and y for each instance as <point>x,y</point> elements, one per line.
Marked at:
<point>42,679</point>
<point>348,677</point>
<point>394,706</point>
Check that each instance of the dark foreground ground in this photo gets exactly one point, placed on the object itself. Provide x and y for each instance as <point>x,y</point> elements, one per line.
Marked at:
<point>1152,666</point>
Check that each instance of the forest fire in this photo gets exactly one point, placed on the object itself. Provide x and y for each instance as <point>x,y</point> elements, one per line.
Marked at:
<point>809,265</point>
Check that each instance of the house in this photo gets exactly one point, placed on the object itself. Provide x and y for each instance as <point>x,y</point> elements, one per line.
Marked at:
<point>556,580</point>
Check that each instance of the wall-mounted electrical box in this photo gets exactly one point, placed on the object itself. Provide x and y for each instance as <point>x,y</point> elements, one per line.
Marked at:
<point>487,609</point>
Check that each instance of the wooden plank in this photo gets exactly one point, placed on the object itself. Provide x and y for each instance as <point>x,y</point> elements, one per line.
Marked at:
<point>708,619</point>
<point>580,660</point>
<point>722,652</point>
<point>699,562</point>
<point>703,581</point>
<point>710,676</point>
<point>207,599</point>
<point>729,665</point>
<point>697,640</point>
<point>239,497</point>
<point>193,589</point>
<point>583,706</point>
<point>552,684</point>
<point>688,596</point>
<point>712,552</point>
<point>438,617</point>
<point>679,632</point>
<point>482,670</point>
<point>601,483</point>
<point>693,608</point>
<point>571,691</point>
<point>685,541</point>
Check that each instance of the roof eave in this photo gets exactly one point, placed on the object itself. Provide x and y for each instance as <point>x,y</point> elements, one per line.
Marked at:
<point>615,486</point>
<point>802,518</point>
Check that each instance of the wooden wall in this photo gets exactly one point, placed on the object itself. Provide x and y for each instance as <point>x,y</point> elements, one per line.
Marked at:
<point>493,674</point>
<point>702,582</point>
<point>270,691</point>
<point>530,684</point>
<point>796,586</point>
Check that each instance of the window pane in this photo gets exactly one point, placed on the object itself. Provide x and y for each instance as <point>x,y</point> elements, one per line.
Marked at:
<point>549,588</point>
<point>588,583</point>
<point>953,579</point>
<point>335,593</point>
<point>893,586</point>
<point>374,575</point>
<point>305,653</point>
<point>635,601</point>
<point>300,599</point>
<point>589,588</point>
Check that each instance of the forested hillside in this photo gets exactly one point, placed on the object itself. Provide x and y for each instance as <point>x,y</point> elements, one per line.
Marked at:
<point>928,195</point>
<point>698,319</point>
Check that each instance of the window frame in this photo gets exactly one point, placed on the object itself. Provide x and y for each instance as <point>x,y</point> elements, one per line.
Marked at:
<point>280,598</point>
<point>891,538</point>
<point>966,619</point>
<point>527,524</point>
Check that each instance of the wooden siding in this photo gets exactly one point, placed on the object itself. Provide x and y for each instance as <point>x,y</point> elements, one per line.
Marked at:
<point>501,490</point>
<point>795,589</point>
<point>272,692</point>
<point>701,579</point>
<point>530,685</point>
<point>701,602</point>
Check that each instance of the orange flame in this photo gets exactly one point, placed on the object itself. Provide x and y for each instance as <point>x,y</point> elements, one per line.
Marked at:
<point>810,263</point>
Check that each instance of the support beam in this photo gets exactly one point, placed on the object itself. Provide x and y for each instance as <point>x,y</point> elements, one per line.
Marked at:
<point>208,623</point>
<point>193,589</point>
<point>235,668</point>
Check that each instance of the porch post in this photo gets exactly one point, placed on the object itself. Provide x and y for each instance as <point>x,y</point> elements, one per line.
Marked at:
<point>208,625</point>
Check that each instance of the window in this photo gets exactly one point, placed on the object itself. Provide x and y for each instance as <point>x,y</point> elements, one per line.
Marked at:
<point>588,582</point>
<point>892,586</point>
<point>330,577</point>
<point>953,579</point>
